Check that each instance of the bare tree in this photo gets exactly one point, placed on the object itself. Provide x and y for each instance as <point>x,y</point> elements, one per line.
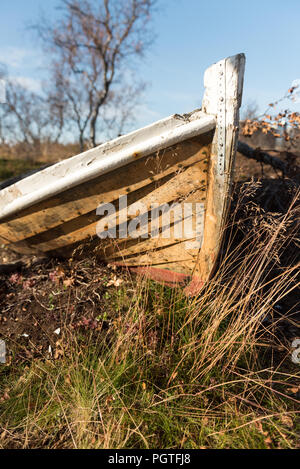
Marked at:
<point>119,112</point>
<point>3,109</point>
<point>2,124</point>
<point>31,118</point>
<point>92,47</point>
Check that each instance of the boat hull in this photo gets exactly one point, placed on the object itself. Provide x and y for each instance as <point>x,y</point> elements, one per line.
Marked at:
<point>63,223</point>
<point>102,201</point>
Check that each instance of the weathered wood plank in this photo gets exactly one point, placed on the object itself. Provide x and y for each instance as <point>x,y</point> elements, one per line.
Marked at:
<point>183,182</point>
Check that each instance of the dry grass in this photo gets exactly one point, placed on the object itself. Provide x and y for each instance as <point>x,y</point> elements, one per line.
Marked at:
<point>43,152</point>
<point>168,371</point>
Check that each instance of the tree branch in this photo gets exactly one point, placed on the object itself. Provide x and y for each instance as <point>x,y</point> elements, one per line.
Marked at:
<point>262,157</point>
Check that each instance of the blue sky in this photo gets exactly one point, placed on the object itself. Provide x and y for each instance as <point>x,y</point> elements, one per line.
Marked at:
<point>191,35</point>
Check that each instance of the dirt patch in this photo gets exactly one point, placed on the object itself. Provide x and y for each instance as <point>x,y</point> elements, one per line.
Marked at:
<point>37,305</point>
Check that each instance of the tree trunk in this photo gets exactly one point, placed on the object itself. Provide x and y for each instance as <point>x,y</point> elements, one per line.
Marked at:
<point>93,128</point>
<point>81,142</point>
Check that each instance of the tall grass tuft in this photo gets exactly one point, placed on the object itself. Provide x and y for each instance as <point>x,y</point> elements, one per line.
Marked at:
<point>172,371</point>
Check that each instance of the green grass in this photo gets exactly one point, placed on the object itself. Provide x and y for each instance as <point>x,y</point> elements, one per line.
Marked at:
<point>164,376</point>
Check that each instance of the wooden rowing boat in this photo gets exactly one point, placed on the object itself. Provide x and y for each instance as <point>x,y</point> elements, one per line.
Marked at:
<point>183,161</point>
